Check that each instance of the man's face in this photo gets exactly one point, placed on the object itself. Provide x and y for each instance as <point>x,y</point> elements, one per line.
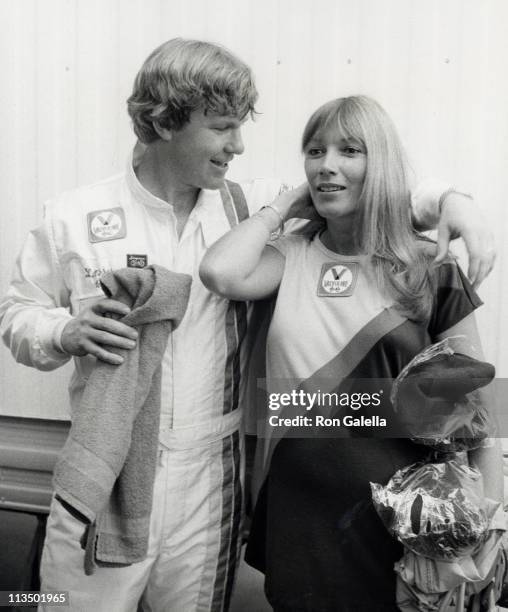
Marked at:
<point>201,150</point>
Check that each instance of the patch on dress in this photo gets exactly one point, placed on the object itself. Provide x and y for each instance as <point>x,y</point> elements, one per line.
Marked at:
<point>107,224</point>
<point>338,280</point>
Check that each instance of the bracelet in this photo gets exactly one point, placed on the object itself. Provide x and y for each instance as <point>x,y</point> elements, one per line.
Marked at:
<point>448,192</point>
<point>278,232</point>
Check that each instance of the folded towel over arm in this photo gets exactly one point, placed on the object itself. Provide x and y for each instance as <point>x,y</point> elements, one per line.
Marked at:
<point>107,467</point>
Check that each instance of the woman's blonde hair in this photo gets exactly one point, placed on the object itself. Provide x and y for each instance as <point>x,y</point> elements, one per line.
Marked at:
<point>384,232</point>
<point>184,75</point>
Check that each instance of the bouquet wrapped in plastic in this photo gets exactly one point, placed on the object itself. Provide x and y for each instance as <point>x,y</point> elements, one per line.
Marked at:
<point>473,583</point>
<point>437,510</point>
<point>440,400</point>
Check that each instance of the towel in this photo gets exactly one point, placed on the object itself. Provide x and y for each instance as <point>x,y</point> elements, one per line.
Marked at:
<point>107,467</point>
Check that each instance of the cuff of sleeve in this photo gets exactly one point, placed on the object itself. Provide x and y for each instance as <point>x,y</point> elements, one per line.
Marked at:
<point>426,201</point>
<point>50,336</point>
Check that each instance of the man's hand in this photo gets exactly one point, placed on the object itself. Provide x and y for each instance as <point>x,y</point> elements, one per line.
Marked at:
<point>460,216</point>
<point>93,328</point>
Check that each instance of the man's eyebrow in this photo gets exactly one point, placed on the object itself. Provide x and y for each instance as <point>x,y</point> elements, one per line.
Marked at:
<point>222,116</point>
<point>226,121</point>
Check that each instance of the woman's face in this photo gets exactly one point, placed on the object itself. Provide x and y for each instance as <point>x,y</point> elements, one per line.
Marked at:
<point>335,167</point>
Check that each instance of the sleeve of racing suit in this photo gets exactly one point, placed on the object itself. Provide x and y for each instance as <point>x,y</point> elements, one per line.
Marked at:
<point>34,311</point>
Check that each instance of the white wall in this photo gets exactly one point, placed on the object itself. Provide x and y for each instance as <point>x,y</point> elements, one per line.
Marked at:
<point>439,67</point>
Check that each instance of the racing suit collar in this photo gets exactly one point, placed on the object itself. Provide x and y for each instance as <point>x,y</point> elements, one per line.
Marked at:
<point>208,211</point>
<point>141,195</point>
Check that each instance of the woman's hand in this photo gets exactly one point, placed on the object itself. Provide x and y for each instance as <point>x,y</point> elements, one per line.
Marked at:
<point>295,203</point>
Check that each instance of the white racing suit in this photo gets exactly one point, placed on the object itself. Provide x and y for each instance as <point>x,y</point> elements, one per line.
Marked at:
<point>198,498</point>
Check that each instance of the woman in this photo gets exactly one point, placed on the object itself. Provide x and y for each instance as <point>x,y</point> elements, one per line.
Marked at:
<point>357,298</point>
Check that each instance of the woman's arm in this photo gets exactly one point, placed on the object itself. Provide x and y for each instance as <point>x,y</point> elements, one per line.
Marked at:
<point>240,265</point>
<point>489,460</point>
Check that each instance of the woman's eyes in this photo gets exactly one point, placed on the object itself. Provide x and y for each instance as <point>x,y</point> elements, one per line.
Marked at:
<point>351,150</point>
<point>347,150</point>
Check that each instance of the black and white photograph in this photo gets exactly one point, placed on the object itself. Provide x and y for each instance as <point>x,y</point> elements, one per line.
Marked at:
<point>252,305</point>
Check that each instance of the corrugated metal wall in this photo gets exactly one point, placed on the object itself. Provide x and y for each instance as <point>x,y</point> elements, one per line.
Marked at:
<point>439,66</point>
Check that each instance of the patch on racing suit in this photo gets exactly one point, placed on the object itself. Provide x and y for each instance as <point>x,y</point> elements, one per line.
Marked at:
<point>107,224</point>
<point>137,261</point>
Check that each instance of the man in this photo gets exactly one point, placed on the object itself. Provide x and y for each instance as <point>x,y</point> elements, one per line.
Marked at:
<point>189,101</point>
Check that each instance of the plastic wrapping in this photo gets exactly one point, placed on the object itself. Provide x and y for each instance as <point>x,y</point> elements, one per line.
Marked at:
<point>436,510</point>
<point>440,399</point>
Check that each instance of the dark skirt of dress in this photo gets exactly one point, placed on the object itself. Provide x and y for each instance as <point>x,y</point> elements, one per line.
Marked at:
<point>315,532</point>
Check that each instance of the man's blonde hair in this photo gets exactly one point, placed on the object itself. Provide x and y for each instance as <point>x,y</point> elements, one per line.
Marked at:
<point>182,76</point>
